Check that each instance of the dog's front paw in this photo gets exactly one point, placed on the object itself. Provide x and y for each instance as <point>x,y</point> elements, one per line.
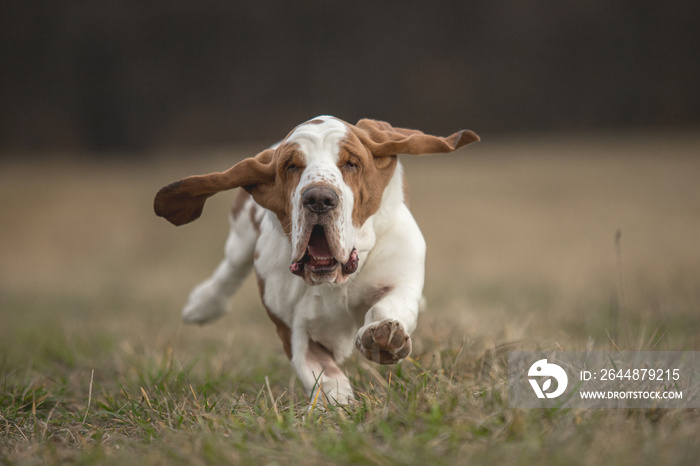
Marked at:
<point>384,342</point>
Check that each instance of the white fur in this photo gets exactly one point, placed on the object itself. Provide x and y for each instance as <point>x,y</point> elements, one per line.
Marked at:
<point>209,300</point>
<point>319,143</point>
<point>391,253</point>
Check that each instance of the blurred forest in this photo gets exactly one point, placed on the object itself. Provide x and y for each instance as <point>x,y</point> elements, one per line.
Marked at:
<point>126,76</point>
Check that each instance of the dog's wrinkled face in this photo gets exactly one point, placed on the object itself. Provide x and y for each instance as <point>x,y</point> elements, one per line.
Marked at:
<point>322,233</point>
<point>326,172</point>
<point>323,181</point>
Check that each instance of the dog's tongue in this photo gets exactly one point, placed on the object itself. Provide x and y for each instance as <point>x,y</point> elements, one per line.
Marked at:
<point>318,245</point>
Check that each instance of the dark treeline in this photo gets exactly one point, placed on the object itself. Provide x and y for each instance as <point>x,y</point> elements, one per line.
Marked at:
<point>128,75</point>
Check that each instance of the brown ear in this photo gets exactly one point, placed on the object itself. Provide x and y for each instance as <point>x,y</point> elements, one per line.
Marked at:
<point>383,140</point>
<point>183,201</point>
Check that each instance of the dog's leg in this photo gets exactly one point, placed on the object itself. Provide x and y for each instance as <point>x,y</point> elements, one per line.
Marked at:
<point>209,300</point>
<point>319,372</point>
<point>396,275</point>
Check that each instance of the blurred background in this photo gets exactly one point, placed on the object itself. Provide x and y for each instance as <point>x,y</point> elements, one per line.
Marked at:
<point>589,114</point>
<point>124,76</point>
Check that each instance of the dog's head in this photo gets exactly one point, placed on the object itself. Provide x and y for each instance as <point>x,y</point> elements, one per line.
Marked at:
<point>323,181</point>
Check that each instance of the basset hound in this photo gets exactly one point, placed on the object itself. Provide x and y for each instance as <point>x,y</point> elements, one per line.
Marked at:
<point>338,257</point>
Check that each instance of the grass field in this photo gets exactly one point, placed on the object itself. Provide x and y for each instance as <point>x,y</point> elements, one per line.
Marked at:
<point>533,242</point>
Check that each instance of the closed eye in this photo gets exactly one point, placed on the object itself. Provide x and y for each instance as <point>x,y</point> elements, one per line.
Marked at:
<point>350,166</point>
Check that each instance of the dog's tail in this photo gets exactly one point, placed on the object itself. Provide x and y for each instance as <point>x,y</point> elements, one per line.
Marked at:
<point>210,299</point>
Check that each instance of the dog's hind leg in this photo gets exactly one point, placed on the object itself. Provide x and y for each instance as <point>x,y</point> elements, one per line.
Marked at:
<point>210,299</point>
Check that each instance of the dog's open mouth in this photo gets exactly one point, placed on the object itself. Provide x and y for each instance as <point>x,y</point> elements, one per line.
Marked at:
<point>319,259</point>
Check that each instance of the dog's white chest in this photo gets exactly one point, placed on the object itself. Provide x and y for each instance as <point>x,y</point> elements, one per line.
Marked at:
<point>329,319</point>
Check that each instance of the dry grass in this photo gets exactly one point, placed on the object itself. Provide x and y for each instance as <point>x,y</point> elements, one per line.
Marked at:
<point>522,253</point>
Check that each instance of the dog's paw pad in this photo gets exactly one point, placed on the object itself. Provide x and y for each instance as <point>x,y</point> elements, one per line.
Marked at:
<point>384,342</point>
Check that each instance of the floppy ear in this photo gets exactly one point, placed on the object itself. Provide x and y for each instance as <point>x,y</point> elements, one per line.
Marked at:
<point>383,140</point>
<point>183,201</point>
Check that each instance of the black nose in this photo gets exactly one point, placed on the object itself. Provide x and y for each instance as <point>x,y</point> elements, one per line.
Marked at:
<point>319,199</point>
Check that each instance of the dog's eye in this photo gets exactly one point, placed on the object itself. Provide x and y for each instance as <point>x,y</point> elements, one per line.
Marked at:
<point>350,166</point>
<point>292,168</point>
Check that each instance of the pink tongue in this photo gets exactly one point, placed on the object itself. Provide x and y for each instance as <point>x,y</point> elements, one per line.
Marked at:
<point>318,246</point>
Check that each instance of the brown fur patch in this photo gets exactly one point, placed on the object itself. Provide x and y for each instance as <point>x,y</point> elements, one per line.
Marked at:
<point>369,182</point>
<point>316,122</point>
<point>277,195</point>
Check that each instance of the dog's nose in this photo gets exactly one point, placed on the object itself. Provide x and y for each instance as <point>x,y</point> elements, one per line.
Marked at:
<point>319,199</point>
